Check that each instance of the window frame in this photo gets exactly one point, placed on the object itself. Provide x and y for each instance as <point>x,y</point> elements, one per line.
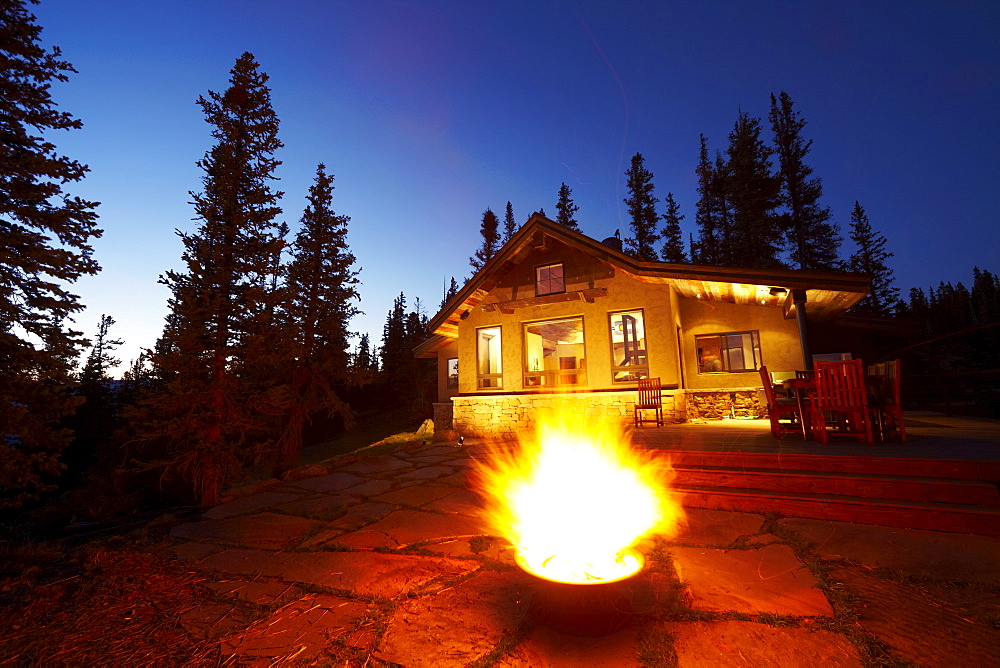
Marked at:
<point>616,369</point>
<point>449,382</point>
<point>482,379</point>
<point>724,356</point>
<point>541,377</point>
<point>562,279</point>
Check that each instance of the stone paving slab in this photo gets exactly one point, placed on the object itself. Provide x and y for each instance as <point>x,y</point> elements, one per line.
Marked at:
<point>320,507</point>
<point>938,554</point>
<point>271,531</point>
<point>417,495</point>
<point>426,473</point>
<point>458,625</point>
<point>371,488</point>
<point>261,593</point>
<point>404,527</point>
<point>335,482</point>
<point>769,579</point>
<point>364,573</point>
<point>460,502</point>
<point>194,551</point>
<point>249,504</point>
<point>358,516</point>
<point>545,648</point>
<point>734,643</point>
<point>919,626</point>
<point>716,527</point>
<point>213,620</point>
<point>301,631</point>
<point>371,466</point>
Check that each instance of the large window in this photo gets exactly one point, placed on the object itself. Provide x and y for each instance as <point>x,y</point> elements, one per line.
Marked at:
<point>731,352</point>
<point>549,280</point>
<point>553,353</point>
<point>628,347</point>
<point>489,360</point>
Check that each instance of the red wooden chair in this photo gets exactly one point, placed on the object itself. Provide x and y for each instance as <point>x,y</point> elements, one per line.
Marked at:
<point>783,408</point>
<point>650,398</point>
<point>841,392</point>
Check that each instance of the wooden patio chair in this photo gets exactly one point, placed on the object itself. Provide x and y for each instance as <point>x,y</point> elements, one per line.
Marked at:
<point>841,392</point>
<point>782,408</point>
<point>650,398</point>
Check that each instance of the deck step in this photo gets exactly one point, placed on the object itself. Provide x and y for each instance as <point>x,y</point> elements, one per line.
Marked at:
<point>883,512</point>
<point>939,494</point>
<point>900,488</point>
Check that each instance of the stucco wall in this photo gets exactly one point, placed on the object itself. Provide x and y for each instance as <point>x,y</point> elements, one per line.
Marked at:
<point>779,340</point>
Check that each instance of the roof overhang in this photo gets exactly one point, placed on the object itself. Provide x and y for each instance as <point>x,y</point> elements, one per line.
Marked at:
<point>827,293</point>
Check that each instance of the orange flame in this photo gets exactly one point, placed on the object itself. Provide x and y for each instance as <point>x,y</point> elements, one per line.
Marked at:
<point>575,497</point>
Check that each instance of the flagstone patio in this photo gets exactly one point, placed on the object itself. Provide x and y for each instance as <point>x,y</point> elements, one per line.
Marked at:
<point>382,561</point>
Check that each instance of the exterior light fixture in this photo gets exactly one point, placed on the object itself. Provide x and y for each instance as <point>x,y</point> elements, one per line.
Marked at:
<point>778,291</point>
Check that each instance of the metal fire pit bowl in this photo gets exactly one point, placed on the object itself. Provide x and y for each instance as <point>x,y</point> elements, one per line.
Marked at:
<point>594,608</point>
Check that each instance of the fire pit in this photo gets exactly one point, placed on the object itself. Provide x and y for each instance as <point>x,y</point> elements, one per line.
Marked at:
<point>588,608</point>
<point>573,499</point>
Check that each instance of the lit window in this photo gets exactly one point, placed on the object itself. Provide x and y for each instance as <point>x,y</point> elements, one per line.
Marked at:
<point>732,352</point>
<point>452,373</point>
<point>549,280</point>
<point>489,362</point>
<point>553,353</point>
<point>628,347</point>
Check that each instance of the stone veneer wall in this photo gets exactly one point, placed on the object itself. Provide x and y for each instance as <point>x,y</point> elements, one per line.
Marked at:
<point>505,415</point>
<point>744,403</point>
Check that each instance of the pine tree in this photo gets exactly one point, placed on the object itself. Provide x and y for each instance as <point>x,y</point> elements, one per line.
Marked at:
<point>221,341</point>
<point>673,246</point>
<point>642,211</point>
<point>753,193</point>
<point>37,348</point>
<point>491,241</point>
<point>101,360</point>
<point>394,354</point>
<point>870,259</point>
<point>509,224</point>
<point>814,240</point>
<point>322,291</point>
<point>96,420</point>
<point>710,212</point>
<point>565,208</point>
<point>449,294</point>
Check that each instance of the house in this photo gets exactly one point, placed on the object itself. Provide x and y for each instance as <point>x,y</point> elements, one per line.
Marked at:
<point>556,312</point>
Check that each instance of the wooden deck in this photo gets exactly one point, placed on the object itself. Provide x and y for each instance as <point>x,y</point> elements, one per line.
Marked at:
<point>946,478</point>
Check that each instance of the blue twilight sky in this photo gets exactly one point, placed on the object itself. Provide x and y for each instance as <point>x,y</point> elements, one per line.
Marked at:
<point>429,112</point>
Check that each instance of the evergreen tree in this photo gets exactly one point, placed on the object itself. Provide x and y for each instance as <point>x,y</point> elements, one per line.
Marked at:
<point>509,225</point>
<point>37,349</point>
<point>642,211</point>
<point>96,420</point>
<point>710,212</point>
<point>814,240</point>
<point>753,193</point>
<point>450,293</point>
<point>491,241</point>
<point>101,360</point>
<point>870,259</point>
<point>322,290</point>
<point>565,208</point>
<point>673,245</point>
<point>364,361</point>
<point>394,354</point>
<point>221,341</point>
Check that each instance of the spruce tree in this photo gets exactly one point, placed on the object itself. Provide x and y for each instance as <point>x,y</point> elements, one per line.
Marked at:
<point>710,212</point>
<point>509,224</point>
<point>96,420</point>
<point>394,354</point>
<point>752,191</point>
<point>321,296</point>
<point>870,259</point>
<point>642,211</point>
<point>814,241</point>
<point>45,234</point>
<point>491,241</point>
<point>449,294</point>
<point>673,237</point>
<point>565,208</point>
<point>221,338</point>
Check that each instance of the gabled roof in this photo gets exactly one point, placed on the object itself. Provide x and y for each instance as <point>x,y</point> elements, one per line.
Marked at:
<point>828,293</point>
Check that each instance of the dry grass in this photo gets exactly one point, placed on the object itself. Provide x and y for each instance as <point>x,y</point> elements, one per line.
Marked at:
<point>98,605</point>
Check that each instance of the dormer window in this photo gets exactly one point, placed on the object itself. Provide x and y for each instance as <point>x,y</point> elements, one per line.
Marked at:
<point>549,280</point>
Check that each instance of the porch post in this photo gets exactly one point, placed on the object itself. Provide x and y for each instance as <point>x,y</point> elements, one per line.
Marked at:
<point>799,299</point>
